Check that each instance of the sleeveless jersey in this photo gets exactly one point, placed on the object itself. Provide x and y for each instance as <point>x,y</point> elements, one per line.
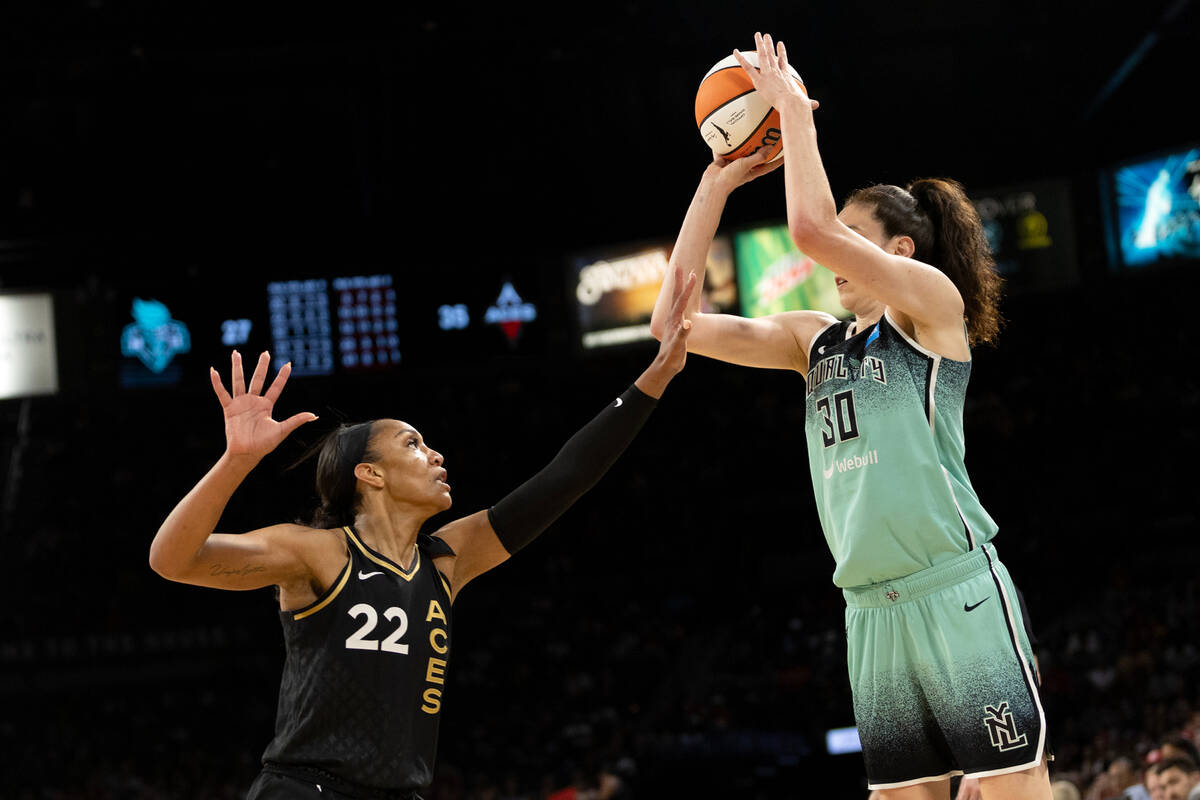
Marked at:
<point>883,422</point>
<point>360,698</point>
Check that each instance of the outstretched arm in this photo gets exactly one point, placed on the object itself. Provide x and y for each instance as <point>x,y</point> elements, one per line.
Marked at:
<point>700,224</point>
<point>185,549</point>
<point>487,538</point>
<point>778,341</point>
<point>918,290</point>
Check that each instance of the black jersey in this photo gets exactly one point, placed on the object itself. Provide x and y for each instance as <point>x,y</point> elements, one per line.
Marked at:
<point>361,693</point>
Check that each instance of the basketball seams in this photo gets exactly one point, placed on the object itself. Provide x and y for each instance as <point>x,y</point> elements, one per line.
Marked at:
<point>726,103</point>
<point>723,105</point>
<point>755,134</point>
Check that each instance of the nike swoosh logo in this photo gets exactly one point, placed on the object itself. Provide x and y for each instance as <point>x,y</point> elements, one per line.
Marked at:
<point>362,576</point>
<point>829,472</point>
<point>619,403</point>
<point>821,350</point>
<point>969,609</point>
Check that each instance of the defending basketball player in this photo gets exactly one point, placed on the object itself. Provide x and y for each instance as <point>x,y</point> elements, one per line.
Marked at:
<point>939,660</point>
<point>365,600</point>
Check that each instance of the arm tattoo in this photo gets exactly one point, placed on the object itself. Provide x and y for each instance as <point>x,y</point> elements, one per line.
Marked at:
<point>245,569</point>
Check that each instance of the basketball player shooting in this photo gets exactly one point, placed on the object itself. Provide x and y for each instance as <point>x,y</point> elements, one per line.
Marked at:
<point>940,662</point>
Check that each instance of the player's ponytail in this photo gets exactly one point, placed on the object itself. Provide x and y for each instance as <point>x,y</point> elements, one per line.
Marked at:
<point>945,228</point>
<point>960,249</point>
<point>338,453</point>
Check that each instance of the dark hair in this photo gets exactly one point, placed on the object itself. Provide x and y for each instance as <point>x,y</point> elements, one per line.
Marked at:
<point>338,453</point>
<point>1186,745</point>
<point>1184,764</point>
<point>945,228</point>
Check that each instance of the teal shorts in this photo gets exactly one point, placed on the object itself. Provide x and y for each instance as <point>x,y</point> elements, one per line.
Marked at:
<point>943,676</point>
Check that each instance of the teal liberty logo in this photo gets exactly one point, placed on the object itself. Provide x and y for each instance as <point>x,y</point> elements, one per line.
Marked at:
<point>153,337</point>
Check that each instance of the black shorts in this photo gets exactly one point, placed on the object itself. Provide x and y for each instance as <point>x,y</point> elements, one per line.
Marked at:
<point>275,785</point>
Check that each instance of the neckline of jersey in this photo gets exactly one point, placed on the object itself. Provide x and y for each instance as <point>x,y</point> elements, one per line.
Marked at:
<point>382,560</point>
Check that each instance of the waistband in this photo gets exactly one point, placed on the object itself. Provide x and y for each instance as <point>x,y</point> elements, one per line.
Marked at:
<point>919,584</point>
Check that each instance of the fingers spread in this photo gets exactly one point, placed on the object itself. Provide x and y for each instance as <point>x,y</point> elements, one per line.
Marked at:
<point>280,381</point>
<point>237,380</point>
<point>219,388</point>
<point>260,373</point>
<point>745,64</point>
<point>295,421</point>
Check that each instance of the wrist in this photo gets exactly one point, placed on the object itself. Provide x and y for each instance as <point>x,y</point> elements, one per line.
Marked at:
<point>239,462</point>
<point>714,189</point>
<point>710,180</point>
<point>795,105</point>
<point>653,382</point>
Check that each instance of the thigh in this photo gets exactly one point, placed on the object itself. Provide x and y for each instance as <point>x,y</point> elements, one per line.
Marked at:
<point>934,790</point>
<point>903,746</point>
<point>977,673</point>
<point>1031,784</point>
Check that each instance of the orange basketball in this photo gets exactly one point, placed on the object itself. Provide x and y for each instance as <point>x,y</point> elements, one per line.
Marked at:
<point>733,120</point>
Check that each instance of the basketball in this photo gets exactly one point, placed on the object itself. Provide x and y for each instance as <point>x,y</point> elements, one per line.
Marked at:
<point>733,120</point>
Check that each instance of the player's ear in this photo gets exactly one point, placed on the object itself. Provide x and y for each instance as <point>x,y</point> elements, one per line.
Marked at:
<point>903,246</point>
<point>369,474</point>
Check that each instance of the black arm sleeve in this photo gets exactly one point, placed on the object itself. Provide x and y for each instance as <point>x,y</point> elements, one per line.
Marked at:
<point>534,505</point>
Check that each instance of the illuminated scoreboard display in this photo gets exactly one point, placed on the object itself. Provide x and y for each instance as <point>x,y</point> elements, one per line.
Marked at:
<point>361,310</point>
<point>368,333</point>
<point>301,327</point>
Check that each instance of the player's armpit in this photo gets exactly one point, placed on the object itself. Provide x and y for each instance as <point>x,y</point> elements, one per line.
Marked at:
<point>278,554</point>
<point>476,546</point>
<point>778,341</point>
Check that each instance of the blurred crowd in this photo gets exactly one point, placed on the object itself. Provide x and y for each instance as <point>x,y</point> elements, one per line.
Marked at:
<point>674,634</point>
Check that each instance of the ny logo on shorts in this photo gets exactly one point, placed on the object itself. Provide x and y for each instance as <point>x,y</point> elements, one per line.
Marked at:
<point>1002,728</point>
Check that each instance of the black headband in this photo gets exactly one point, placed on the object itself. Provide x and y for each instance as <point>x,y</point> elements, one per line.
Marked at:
<point>357,436</point>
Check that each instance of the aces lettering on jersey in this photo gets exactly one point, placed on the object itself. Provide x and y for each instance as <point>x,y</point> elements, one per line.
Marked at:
<point>439,642</point>
<point>435,669</point>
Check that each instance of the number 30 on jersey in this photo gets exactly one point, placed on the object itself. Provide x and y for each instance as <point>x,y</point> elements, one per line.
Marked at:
<point>838,420</point>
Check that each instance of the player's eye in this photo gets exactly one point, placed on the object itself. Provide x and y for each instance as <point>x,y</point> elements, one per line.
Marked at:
<point>412,442</point>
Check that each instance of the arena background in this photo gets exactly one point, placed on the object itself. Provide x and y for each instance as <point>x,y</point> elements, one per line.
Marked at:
<point>678,627</point>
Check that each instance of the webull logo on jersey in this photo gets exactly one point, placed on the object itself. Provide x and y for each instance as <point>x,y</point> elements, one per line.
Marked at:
<point>851,463</point>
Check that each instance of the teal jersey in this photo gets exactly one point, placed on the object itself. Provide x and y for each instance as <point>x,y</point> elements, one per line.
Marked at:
<point>883,420</point>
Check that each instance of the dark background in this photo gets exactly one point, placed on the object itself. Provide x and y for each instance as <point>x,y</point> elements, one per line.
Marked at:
<point>678,626</point>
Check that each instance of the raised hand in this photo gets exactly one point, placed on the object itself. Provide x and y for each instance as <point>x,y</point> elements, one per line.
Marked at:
<point>672,352</point>
<point>728,175</point>
<point>249,427</point>
<point>771,78</point>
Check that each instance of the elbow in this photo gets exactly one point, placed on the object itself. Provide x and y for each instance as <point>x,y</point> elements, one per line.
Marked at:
<point>806,233</point>
<point>157,565</point>
<point>816,240</point>
<point>162,565</point>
